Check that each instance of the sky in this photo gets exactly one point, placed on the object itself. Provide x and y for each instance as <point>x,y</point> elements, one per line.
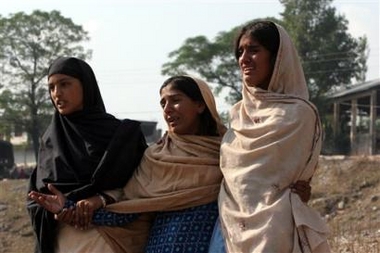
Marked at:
<point>131,40</point>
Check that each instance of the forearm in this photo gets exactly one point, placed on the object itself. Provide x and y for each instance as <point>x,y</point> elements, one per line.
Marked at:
<point>102,217</point>
<point>115,194</point>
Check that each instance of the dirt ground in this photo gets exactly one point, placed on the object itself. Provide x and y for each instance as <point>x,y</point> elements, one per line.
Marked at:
<point>345,190</point>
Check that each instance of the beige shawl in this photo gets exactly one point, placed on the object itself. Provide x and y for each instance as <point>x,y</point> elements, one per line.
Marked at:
<point>179,172</point>
<point>274,140</point>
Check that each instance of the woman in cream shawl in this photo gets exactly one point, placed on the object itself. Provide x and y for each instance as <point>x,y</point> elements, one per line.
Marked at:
<point>178,179</point>
<point>274,140</point>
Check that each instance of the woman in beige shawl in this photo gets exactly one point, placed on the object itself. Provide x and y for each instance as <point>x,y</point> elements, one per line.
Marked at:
<point>274,140</point>
<point>178,178</point>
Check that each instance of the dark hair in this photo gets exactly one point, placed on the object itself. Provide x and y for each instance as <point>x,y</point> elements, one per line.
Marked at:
<point>190,88</point>
<point>265,32</point>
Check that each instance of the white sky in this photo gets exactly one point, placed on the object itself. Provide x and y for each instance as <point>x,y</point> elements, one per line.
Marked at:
<point>132,39</point>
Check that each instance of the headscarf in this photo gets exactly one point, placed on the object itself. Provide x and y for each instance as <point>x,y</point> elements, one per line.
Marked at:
<point>208,97</point>
<point>274,141</point>
<point>82,153</point>
<point>179,172</point>
<point>74,67</point>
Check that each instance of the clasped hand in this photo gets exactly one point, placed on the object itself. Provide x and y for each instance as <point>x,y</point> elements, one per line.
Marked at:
<point>79,216</point>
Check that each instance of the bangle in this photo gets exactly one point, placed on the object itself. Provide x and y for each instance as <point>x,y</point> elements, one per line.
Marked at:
<point>103,199</point>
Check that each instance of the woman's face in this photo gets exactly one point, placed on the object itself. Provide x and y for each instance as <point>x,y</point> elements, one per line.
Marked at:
<point>66,93</point>
<point>180,112</point>
<point>255,63</point>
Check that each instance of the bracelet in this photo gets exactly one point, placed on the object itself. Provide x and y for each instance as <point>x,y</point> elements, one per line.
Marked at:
<point>103,199</point>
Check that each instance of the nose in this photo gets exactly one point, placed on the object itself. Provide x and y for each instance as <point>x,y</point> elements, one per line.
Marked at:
<point>244,57</point>
<point>167,108</point>
<point>56,91</point>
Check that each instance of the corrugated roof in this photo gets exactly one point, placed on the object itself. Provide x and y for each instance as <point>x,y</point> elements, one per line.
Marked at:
<point>357,88</point>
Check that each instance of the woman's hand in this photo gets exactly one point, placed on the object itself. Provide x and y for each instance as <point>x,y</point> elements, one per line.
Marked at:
<point>67,215</point>
<point>85,210</point>
<point>302,189</point>
<point>79,216</point>
<point>52,202</point>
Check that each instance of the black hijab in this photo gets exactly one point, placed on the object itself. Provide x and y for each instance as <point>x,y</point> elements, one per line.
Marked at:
<point>82,153</point>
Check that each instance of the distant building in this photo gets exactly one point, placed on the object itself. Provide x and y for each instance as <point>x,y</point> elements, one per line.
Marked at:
<point>356,113</point>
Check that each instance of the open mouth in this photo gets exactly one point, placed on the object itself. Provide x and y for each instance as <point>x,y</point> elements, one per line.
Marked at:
<point>172,120</point>
<point>248,69</point>
<point>60,103</point>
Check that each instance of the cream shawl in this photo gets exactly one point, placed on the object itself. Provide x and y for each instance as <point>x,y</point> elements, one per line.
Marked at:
<point>179,172</point>
<point>274,140</point>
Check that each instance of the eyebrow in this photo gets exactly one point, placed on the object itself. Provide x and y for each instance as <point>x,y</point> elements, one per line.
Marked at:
<point>171,96</point>
<point>61,80</point>
<point>250,45</point>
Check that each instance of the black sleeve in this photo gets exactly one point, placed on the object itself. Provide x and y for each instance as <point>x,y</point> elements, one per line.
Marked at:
<point>120,160</point>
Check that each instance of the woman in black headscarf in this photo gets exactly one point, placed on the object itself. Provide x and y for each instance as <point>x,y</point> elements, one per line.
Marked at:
<point>84,150</point>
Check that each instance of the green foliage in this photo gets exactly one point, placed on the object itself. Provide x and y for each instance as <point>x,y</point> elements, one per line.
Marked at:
<point>28,44</point>
<point>5,126</point>
<point>211,60</point>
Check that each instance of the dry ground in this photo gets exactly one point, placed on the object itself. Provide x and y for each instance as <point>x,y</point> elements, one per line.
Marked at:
<point>346,191</point>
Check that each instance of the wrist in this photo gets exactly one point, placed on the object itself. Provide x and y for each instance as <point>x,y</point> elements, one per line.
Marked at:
<point>102,199</point>
<point>105,199</point>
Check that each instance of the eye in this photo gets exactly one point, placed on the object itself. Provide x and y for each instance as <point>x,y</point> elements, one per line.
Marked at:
<point>239,52</point>
<point>50,87</point>
<point>65,84</point>
<point>253,49</point>
<point>162,104</point>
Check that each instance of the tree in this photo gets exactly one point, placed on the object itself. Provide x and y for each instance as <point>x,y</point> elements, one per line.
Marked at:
<point>28,44</point>
<point>330,55</point>
<point>213,61</point>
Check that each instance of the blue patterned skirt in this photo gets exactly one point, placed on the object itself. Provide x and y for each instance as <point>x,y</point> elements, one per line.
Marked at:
<point>185,231</point>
